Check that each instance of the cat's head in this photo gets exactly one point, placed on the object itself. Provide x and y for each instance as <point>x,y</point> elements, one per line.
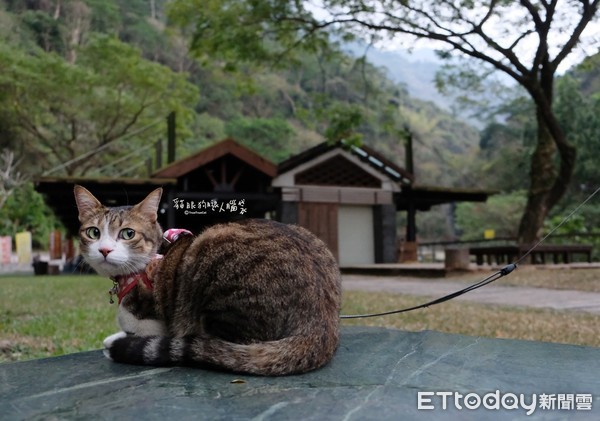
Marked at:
<point>118,240</point>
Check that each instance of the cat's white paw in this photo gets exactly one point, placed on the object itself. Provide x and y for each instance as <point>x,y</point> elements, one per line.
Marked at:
<point>106,353</point>
<point>109,340</point>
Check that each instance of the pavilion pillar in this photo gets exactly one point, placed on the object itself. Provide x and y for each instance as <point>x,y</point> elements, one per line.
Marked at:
<point>171,223</point>
<point>408,248</point>
<point>287,212</point>
<point>384,220</point>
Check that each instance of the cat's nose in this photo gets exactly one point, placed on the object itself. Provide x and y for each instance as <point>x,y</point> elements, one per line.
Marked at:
<point>105,251</point>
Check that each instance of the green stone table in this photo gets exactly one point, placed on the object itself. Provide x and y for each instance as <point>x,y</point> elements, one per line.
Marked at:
<point>377,374</point>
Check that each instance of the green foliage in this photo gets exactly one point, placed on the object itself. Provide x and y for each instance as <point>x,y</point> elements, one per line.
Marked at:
<point>206,130</point>
<point>575,224</point>
<point>344,120</point>
<point>578,110</point>
<point>142,30</point>
<point>501,213</point>
<point>588,74</point>
<point>577,229</point>
<point>434,225</point>
<point>579,116</point>
<point>505,156</point>
<point>233,32</point>
<point>25,210</point>
<point>65,110</point>
<point>45,30</point>
<point>105,16</point>
<point>269,137</point>
<point>325,95</point>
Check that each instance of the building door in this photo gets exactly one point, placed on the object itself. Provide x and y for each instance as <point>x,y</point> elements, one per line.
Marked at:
<point>356,241</point>
<point>322,220</point>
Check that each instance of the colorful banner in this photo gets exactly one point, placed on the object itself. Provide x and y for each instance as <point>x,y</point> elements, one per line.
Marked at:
<point>23,240</point>
<point>5,249</point>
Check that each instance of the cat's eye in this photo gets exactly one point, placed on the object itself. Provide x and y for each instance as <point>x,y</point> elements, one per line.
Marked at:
<point>127,234</point>
<point>93,233</point>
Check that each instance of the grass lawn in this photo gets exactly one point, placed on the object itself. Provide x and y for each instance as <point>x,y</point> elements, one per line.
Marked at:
<point>43,316</point>
<point>475,319</point>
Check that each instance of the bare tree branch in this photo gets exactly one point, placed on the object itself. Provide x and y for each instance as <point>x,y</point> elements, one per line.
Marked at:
<point>589,11</point>
<point>10,178</point>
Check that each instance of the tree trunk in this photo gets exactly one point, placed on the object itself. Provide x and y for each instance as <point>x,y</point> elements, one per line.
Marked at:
<point>542,177</point>
<point>550,177</point>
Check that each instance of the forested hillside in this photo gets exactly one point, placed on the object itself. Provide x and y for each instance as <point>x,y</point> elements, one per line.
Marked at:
<point>72,63</point>
<point>97,78</point>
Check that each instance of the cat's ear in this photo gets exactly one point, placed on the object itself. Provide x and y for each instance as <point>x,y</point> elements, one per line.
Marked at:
<point>149,206</point>
<point>87,204</point>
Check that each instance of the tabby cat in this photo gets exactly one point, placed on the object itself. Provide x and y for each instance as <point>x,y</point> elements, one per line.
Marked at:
<point>255,296</point>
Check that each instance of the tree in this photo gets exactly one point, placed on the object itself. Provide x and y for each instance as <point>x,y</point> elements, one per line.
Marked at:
<point>579,114</point>
<point>500,213</point>
<point>77,18</point>
<point>498,33</point>
<point>506,146</point>
<point>269,137</point>
<point>25,210</point>
<point>68,110</point>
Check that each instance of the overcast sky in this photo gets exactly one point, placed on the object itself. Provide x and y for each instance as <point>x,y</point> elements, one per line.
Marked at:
<point>562,27</point>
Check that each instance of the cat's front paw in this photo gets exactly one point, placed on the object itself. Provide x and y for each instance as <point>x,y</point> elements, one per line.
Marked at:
<point>109,341</point>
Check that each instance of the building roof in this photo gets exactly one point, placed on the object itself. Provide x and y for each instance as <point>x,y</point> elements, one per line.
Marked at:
<point>410,196</point>
<point>216,151</point>
<point>59,194</point>
<point>424,197</point>
<point>364,153</point>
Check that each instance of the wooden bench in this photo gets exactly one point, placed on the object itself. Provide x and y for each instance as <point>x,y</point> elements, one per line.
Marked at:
<point>560,253</point>
<point>494,254</point>
<point>564,252</point>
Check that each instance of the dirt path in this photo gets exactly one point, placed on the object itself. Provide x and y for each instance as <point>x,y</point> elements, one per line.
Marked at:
<point>491,294</point>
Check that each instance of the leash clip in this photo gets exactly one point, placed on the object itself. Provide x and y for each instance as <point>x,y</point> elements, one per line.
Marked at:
<point>508,269</point>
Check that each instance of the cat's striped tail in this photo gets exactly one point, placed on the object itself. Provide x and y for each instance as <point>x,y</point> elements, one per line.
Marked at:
<point>291,355</point>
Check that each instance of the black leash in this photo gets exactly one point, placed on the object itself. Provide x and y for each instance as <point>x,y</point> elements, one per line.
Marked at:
<point>502,272</point>
<point>494,277</point>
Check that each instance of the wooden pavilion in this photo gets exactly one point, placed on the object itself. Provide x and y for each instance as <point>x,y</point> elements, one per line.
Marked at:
<point>223,174</point>
<point>350,195</point>
<point>347,195</point>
